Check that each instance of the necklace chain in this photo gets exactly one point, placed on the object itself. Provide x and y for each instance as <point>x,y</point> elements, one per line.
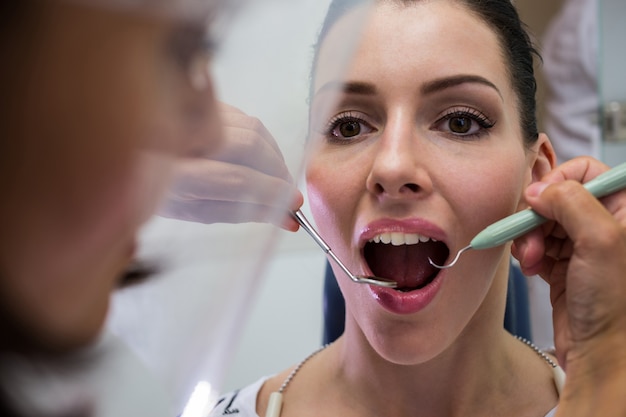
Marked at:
<point>276,398</point>
<point>537,350</point>
<point>295,370</point>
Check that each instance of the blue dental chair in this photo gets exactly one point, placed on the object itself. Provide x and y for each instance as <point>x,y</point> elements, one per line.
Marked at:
<point>516,316</point>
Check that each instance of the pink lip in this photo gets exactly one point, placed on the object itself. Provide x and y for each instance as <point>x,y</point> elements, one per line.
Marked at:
<point>398,302</point>
<point>395,301</point>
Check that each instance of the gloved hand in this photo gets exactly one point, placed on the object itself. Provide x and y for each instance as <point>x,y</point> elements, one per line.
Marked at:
<point>245,180</point>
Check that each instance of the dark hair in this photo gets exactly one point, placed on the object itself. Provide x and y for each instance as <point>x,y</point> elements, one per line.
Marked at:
<point>516,47</point>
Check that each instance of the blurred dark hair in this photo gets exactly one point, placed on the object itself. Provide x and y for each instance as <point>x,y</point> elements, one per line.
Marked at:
<point>9,10</point>
<point>516,47</point>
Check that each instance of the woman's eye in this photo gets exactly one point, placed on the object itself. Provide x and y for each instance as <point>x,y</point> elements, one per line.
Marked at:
<point>345,127</point>
<point>466,122</point>
<point>461,125</point>
<point>349,129</point>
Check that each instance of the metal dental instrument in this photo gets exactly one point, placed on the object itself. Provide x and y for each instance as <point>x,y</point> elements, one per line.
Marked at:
<point>304,223</point>
<point>516,225</point>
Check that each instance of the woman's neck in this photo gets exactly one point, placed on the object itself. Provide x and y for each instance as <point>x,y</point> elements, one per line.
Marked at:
<point>455,382</point>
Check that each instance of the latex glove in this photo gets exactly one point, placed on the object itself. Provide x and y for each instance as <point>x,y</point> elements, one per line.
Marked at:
<point>582,256</point>
<point>245,180</point>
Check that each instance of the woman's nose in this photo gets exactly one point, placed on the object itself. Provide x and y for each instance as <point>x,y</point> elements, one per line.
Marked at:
<point>398,169</point>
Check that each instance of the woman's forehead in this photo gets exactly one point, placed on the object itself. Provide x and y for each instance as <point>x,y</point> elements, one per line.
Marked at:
<point>413,43</point>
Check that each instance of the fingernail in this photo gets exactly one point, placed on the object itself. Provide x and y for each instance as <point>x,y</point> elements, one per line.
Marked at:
<point>536,188</point>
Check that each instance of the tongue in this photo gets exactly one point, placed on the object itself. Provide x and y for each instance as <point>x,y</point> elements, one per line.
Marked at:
<point>406,264</point>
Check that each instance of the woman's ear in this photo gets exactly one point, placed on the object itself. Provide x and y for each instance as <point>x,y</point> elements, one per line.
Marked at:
<point>545,158</point>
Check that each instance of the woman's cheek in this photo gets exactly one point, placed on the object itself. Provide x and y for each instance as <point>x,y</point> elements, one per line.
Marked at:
<point>325,196</point>
<point>500,193</point>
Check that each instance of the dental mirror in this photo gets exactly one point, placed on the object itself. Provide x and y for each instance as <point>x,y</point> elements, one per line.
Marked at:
<point>360,279</point>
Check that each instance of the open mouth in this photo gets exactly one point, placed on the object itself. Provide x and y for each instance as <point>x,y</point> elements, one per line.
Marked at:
<point>403,257</point>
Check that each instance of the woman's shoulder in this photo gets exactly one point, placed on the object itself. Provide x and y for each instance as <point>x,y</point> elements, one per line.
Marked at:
<point>240,403</point>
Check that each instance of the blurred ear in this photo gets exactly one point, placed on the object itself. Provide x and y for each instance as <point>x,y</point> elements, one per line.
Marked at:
<point>544,158</point>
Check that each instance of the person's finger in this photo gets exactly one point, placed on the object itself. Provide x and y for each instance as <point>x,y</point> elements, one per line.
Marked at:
<point>580,169</point>
<point>233,114</point>
<point>246,147</point>
<point>229,182</point>
<point>529,250</point>
<point>248,142</point>
<point>558,248</point>
<point>583,170</point>
<point>570,205</point>
<point>228,212</point>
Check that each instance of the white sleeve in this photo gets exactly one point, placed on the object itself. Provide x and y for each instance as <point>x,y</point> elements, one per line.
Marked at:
<point>570,55</point>
<point>239,403</point>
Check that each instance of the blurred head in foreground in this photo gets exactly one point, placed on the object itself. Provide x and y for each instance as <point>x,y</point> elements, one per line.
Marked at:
<point>98,99</point>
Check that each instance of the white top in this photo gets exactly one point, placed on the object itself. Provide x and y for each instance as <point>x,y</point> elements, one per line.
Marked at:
<point>242,403</point>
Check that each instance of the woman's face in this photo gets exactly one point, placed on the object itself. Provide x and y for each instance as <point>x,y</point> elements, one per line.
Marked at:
<point>100,104</point>
<point>422,150</point>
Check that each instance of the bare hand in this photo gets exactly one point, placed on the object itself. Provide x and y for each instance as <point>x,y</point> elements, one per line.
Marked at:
<point>582,255</point>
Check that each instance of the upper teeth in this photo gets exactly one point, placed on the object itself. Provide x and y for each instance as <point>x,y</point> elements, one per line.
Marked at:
<point>397,238</point>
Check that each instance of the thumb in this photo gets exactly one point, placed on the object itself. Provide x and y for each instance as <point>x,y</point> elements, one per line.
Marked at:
<point>571,205</point>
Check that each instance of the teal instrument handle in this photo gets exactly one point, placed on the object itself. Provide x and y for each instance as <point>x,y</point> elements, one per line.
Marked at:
<point>516,225</point>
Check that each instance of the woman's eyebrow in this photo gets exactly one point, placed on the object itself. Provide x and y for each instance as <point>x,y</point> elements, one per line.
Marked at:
<point>351,87</point>
<point>449,82</point>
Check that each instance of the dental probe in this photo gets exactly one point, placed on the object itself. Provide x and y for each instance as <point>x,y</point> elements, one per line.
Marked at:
<point>517,224</point>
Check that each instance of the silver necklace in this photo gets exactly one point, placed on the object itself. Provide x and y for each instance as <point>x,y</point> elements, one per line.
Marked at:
<point>537,350</point>
<point>275,402</point>
<point>557,372</point>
